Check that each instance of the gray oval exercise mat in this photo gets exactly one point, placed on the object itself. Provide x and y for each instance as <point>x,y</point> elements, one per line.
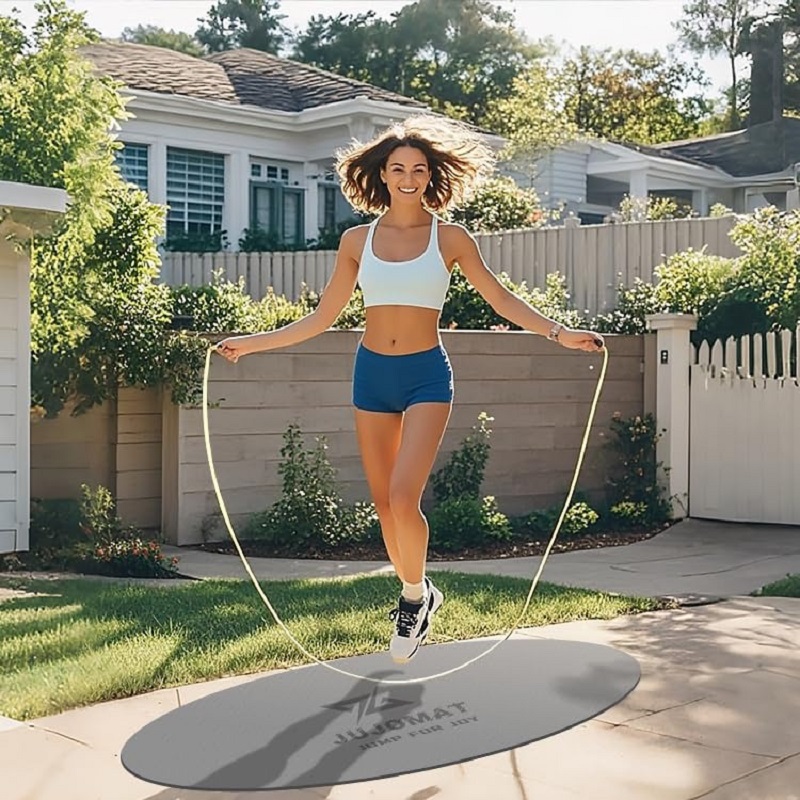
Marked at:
<point>311,727</point>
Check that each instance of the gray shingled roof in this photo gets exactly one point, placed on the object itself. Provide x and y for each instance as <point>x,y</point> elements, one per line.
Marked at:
<point>649,150</point>
<point>759,150</point>
<point>243,77</point>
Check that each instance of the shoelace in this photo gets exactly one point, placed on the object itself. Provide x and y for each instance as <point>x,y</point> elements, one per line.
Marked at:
<point>407,620</point>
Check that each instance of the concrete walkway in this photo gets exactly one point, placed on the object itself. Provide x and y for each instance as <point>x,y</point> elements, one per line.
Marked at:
<point>694,557</point>
<point>714,716</point>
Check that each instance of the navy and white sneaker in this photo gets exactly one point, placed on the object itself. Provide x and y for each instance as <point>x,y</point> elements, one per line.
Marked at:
<point>412,623</point>
<point>435,599</point>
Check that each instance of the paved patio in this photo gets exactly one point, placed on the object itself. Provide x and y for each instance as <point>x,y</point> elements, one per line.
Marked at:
<point>714,716</point>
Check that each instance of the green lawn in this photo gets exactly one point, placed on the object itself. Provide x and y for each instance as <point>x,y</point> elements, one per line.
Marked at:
<point>786,587</point>
<point>79,642</point>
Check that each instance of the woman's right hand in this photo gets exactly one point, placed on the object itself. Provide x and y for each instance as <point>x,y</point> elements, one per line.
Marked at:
<point>233,348</point>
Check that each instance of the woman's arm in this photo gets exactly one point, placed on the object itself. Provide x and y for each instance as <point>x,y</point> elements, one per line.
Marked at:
<point>334,298</point>
<point>460,248</point>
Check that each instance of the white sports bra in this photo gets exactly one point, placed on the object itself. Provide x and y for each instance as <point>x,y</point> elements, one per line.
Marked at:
<point>423,281</point>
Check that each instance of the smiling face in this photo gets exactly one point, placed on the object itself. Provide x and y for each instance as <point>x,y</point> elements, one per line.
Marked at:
<point>406,174</point>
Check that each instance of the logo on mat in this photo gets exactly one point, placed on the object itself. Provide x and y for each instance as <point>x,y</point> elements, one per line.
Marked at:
<point>368,704</point>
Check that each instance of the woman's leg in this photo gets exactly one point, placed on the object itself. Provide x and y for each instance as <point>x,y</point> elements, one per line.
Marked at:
<point>424,425</point>
<point>378,437</point>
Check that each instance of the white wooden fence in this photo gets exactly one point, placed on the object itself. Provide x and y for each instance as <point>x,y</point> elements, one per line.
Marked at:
<point>595,259</point>
<point>744,446</point>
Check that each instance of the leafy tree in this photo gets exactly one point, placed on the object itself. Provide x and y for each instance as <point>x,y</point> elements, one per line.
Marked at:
<point>57,136</point>
<point>355,45</point>
<point>97,318</point>
<point>458,56</point>
<point>160,37</point>
<point>532,119</point>
<point>243,23</point>
<point>123,338</point>
<point>715,27</point>
<point>632,96</point>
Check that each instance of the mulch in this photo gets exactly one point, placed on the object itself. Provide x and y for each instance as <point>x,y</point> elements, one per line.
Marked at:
<point>374,551</point>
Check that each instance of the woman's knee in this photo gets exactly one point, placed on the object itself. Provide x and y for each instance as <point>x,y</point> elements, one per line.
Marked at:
<point>404,500</point>
<point>382,507</point>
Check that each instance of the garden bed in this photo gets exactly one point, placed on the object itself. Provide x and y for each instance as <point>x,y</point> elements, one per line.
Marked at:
<point>375,551</point>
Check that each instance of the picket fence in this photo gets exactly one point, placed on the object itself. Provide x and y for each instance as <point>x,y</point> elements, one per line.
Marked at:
<point>744,443</point>
<point>595,259</point>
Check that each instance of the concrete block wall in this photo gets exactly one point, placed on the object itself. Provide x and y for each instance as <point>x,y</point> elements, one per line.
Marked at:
<point>116,445</point>
<point>538,393</point>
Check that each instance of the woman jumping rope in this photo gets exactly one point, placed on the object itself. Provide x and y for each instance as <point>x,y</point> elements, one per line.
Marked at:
<point>402,379</point>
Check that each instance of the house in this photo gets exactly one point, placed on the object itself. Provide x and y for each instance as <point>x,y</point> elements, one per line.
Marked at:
<point>241,139</point>
<point>743,170</point>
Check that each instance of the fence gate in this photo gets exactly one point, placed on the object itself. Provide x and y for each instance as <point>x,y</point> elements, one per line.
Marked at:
<point>744,446</point>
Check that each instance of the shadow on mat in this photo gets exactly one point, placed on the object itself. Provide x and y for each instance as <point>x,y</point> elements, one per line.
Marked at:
<point>262,768</point>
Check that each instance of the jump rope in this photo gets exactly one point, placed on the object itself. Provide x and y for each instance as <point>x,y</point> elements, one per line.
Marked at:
<point>534,582</point>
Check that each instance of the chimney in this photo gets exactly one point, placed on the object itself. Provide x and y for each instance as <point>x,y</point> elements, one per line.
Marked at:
<point>766,77</point>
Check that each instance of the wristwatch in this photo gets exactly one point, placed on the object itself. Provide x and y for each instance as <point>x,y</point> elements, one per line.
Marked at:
<point>555,331</point>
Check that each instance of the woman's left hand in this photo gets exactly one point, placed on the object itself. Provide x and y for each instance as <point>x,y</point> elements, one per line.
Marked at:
<point>589,341</point>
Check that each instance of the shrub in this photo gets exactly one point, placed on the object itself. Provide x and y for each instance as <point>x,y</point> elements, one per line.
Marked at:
<point>196,242</point>
<point>310,512</point>
<point>499,204</point>
<point>462,475</point>
<point>99,520</point>
<point>636,209</point>
<point>353,315</point>
<point>542,522</point>
<point>769,269</point>
<point>88,536</point>
<point>308,509</point>
<point>112,548</point>
<point>134,558</point>
<point>465,521</point>
<point>633,305</point>
<point>275,310</point>
<point>329,238</point>
<point>755,293</point>
<point>257,240</point>
<point>579,518</point>
<point>628,514</point>
<point>719,210</point>
<point>635,490</point>
<point>465,309</point>
<point>217,307</point>
<point>692,282</point>
<point>55,530</point>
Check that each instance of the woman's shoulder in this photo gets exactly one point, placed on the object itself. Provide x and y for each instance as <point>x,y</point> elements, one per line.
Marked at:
<point>353,240</point>
<point>454,232</point>
<point>354,237</point>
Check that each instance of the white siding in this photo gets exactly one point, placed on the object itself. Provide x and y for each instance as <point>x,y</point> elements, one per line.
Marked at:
<point>39,207</point>
<point>305,150</point>
<point>14,512</point>
<point>562,178</point>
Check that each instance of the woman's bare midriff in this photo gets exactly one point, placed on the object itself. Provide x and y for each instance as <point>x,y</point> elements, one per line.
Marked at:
<point>399,330</point>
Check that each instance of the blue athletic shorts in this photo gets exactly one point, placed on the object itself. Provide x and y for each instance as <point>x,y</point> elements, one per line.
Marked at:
<point>391,384</point>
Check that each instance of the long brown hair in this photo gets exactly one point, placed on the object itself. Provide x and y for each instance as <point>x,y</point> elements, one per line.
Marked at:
<point>456,155</point>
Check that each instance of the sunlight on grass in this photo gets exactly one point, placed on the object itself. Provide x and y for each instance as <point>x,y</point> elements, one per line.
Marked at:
<point>122,669</point>
<point>101,641</point>
<point>33,617</point>
<point>64,640</point>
